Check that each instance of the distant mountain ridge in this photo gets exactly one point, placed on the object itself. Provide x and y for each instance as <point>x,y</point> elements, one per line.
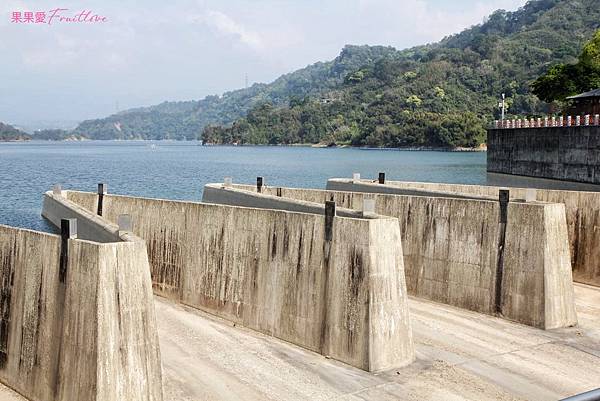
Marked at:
<point>185,120</point>
<point>440,94</point>
<point>10,133</point>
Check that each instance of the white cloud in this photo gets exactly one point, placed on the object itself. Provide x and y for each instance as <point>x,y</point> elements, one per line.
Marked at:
<point>226,25</point>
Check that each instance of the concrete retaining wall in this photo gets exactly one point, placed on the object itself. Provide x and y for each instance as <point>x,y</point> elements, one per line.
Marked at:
<point>274,271</point>
<point>451,251</point>
<point>561,153</point>
<point>89,334</point>
<point>582,214</point>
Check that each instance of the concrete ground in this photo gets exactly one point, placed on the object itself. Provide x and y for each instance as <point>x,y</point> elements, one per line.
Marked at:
<point>6,394</point>
<point>461,355</point>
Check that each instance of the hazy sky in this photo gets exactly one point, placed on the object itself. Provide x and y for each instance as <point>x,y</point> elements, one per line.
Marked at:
<point>155,50</point>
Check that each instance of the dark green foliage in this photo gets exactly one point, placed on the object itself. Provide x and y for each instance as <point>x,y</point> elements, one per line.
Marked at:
<point>564,80</point>
<point>10,133</point>
<point>52,135</point>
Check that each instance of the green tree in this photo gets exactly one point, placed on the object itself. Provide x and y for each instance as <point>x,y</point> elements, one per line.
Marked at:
<point>414,101</point>
<point>564,80</point>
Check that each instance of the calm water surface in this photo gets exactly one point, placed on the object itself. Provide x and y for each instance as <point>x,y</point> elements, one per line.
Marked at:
<point>179,170</point>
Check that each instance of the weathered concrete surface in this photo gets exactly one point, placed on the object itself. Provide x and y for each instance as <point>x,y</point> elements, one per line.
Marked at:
<point>89,226</point>
<point>245,197</point>
<point>275,272</point>
<point>461,355</point>
<point>89,334</point>
<point>520,181</point>
<point>563,153</point>
<point>451,250</point>
<point>6,394</point>
<point>582,213</point>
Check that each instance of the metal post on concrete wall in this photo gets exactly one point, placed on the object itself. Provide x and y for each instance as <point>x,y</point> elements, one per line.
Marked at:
<point>504,198</point>
<point>101,192</point>
<point>68,230</point>
<point>382,178</point>
<point>259,184</point>
<point>279,192</point>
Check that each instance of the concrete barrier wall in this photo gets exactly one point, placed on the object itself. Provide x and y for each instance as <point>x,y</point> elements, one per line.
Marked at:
<point>582,214</point>
<point>89,334</point>
<point>274,271</point>
<point>451,251</point>
<point>247,197</point>
<point>565,153</point>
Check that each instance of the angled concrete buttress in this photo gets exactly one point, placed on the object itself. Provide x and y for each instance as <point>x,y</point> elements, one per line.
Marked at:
<point>332,285</point>
<point>454,252</point>
<point>78,318</point>
<point>582,213</point>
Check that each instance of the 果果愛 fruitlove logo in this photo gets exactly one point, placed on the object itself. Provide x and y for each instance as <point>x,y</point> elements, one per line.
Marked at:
<point>57,16</point>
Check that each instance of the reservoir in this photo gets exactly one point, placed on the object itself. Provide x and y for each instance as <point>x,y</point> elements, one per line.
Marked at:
<point>179,170</point>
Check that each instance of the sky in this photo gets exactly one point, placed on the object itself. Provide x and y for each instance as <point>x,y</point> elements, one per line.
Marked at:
<point>146,52</point>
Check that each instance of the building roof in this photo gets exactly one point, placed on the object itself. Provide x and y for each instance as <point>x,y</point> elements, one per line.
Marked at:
<point>594,93</point>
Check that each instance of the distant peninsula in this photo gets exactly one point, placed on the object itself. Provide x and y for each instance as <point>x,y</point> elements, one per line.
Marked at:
<point>8,133</point>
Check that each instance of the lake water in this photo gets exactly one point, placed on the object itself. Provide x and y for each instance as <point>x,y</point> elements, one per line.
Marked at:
<point>179,170</point>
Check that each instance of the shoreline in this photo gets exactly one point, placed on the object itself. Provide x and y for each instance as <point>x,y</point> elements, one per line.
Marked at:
<point>294,145</point>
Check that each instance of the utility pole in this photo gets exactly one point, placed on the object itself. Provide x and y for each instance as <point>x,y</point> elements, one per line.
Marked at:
<point>503,105</point>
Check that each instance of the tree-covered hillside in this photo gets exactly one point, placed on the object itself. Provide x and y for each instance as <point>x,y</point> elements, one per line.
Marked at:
<point>564,80</point>
<point>442,95</point>
<point>185,120</point>
<point>10,133</point>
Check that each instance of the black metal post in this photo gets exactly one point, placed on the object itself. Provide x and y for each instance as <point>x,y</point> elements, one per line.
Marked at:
<point>68,230</point>
<point>101,191</point>
<point>259,184</point>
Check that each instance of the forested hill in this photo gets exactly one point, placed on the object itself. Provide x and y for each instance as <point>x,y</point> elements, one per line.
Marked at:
<point>10,133</point>
<point>442,94</point>
<point>185,120</point>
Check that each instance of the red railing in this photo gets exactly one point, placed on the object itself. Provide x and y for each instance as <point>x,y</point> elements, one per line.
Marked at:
<point>577,121</point>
